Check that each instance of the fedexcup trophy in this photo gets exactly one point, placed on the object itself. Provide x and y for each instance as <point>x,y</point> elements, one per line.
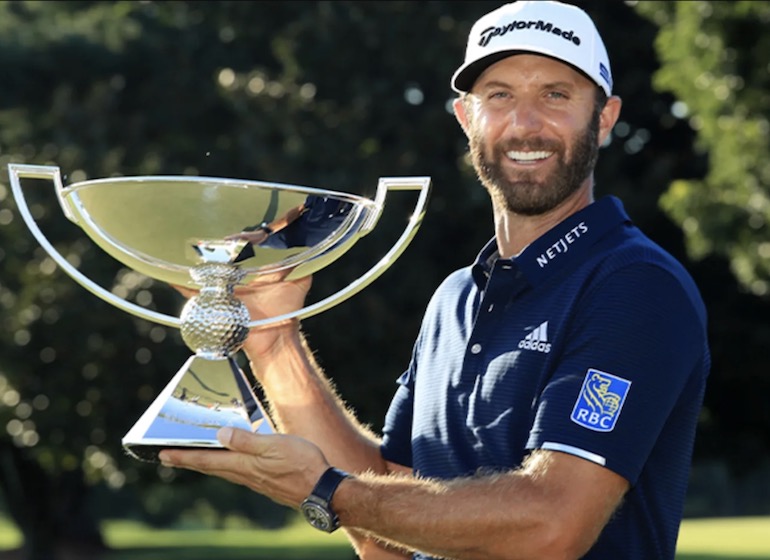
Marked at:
<point>216,236</point>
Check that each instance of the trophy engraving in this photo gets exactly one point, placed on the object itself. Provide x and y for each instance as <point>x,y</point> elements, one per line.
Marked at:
<point>222,235</point>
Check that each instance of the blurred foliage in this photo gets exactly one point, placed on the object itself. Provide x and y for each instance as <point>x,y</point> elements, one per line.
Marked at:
<point>715,57</point>
<point>332,94</point>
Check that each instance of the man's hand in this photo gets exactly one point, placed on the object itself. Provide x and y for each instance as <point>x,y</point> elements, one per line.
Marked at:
<point>284,468</point>
<point>254,237</point>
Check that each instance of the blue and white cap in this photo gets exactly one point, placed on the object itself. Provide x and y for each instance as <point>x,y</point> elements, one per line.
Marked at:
<point>561,31</point>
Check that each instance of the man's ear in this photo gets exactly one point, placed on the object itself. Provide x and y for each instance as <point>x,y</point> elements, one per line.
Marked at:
<point>609,116</point>
<point>460,109</point>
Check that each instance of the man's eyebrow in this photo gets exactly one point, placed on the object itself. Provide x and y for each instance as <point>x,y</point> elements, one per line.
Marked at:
<point>559,84</point>
<point>492,84</point>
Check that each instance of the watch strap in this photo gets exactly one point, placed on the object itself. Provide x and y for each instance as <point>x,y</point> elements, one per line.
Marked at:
<point>328,483</point>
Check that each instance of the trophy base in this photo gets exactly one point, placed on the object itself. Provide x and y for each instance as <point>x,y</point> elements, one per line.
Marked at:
<point>149,453</point>
<point>204,396</point>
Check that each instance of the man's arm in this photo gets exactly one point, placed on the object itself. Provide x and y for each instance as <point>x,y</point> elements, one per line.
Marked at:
<point>302,401</point>
<point>554,506</point>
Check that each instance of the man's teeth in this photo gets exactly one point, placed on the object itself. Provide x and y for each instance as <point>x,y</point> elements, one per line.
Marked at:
<point>528,156</point>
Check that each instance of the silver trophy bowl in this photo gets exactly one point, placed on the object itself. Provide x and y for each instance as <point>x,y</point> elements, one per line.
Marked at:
<point>215,236</point>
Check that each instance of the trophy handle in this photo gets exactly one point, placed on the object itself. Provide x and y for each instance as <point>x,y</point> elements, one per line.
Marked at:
<point>18,171</point>
<point>384,185</point>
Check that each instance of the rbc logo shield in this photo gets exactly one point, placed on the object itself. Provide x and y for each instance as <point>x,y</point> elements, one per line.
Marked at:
<point>600,400</point>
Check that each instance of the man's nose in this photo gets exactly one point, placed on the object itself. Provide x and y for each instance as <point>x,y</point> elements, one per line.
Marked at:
<point>525,117</point>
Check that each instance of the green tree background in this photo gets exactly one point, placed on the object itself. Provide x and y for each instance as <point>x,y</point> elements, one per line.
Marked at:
<point>336,94</point>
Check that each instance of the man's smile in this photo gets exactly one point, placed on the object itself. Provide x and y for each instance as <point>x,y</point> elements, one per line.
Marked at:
<point>528,157</point>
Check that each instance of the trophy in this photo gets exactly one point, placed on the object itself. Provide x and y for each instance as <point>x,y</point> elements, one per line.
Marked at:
<point>217,237</point>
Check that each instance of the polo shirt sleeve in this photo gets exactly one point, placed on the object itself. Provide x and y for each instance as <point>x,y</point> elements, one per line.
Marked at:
<point>636,339</point>
<point>396,444</point>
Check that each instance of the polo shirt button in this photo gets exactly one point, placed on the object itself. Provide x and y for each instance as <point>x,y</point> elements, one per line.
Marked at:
<point>476,348</point>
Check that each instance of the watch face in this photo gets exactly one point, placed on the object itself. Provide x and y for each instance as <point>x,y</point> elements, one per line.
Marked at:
<point>318,516</point>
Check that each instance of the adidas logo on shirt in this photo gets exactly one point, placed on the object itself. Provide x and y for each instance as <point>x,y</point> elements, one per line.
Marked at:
<point>537,340</point>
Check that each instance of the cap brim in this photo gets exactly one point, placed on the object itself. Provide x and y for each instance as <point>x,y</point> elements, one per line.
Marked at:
<point>466,76</point>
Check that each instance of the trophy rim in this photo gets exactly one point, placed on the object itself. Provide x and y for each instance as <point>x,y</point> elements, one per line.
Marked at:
<point>222,181</point>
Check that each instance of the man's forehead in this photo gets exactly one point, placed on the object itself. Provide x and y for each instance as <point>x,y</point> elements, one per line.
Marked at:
<point>522,68</point>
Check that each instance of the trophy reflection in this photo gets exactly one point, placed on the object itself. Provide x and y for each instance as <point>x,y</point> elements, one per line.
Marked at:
<point>200,233</point>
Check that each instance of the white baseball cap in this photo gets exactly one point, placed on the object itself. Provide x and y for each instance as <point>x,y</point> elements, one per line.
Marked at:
<point>554,29</point>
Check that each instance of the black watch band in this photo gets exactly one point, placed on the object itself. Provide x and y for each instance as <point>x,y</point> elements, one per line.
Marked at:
<point>316,508</point>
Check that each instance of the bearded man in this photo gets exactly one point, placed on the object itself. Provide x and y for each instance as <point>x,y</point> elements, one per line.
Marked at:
<point>550,405</point>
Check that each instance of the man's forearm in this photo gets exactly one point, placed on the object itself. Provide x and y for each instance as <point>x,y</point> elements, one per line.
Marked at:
<point>369,547</point>
<point>302,401</point>
<point>454,521</point>
<point>547,509</point>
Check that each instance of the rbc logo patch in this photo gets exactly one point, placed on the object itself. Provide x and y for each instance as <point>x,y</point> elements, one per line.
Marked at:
<point>600,400</point>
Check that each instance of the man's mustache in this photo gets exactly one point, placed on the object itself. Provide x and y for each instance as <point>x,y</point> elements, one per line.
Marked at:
<point>530,145</point>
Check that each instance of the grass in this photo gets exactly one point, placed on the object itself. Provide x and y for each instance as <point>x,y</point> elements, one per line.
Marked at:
<point>130,540</point>
<point>296,541</point>
<point>734,538</point>
<point>740,538</point>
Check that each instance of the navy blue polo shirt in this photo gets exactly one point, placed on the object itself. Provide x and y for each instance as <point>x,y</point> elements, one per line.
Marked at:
<point>591,342</point>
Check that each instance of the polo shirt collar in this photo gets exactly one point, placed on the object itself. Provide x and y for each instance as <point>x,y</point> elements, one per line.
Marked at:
<point>561,245</point>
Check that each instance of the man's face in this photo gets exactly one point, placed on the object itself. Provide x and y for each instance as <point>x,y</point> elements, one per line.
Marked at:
<point>533,132</point>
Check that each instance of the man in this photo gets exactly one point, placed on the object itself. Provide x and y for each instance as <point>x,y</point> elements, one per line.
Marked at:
<point>550,405</point>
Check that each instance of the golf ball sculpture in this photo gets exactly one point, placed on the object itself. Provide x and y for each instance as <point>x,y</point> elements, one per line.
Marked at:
<point>214,323</point>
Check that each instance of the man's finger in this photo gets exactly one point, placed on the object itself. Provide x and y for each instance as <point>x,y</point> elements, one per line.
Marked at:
<point>244,441</point>
<point>200,460</point>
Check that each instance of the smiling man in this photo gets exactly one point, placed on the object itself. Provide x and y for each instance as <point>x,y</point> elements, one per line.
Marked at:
<point>550,405</point>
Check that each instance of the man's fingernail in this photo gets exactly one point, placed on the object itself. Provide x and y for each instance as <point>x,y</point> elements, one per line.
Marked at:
<point>224,435</point>
<point>164,459</point>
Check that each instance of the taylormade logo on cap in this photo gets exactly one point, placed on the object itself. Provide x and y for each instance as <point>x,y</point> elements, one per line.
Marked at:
<point>490,33</point>
<point>554,29</point>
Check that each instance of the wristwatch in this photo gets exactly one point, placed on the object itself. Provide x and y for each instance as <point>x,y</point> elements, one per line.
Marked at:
<point>316,509</point>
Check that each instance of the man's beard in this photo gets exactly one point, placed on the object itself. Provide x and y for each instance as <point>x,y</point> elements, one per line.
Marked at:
<point>524,194</point>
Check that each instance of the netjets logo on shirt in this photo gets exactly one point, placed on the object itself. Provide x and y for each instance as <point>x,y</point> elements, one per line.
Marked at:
<point>537,340</point>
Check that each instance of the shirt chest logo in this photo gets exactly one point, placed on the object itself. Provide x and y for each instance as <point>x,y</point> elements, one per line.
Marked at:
<point>537,340</point>
<point>600,401</point>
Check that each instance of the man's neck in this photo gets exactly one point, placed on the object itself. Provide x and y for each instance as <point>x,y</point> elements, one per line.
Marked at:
<point>515,231</point>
